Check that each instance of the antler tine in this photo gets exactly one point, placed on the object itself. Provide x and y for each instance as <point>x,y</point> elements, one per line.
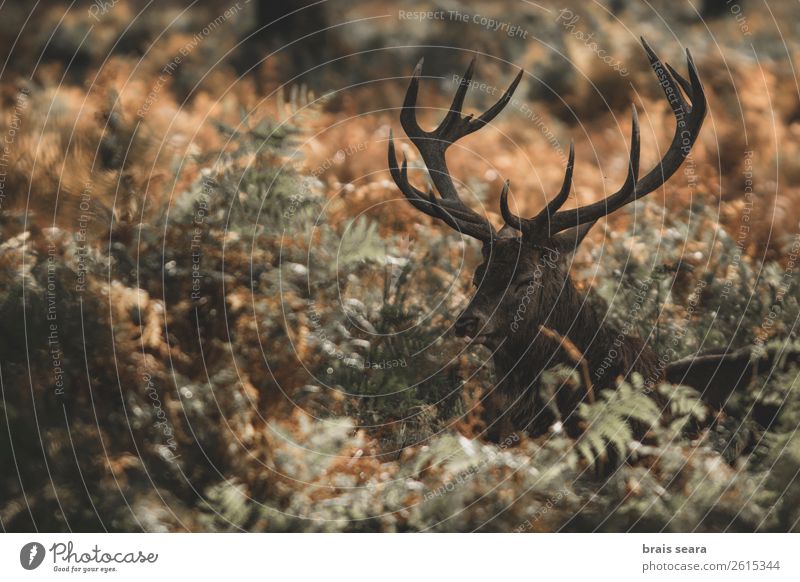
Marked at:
<point>454,114</point>
<point>509,217</point>
<point>665,76</point>
<point>689,120</point>
<point>400,176</point>
<point>539,221</point>
<point>561,198</point>
<point>408,115</point>
<point>685,85</point>
<point>495,109</point>
<point>532,226</point>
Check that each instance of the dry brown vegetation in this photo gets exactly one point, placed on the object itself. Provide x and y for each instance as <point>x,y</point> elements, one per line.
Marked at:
<point>265,436</point>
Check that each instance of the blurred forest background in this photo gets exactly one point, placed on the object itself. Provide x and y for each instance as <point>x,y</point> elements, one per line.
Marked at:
<point>217,313</point>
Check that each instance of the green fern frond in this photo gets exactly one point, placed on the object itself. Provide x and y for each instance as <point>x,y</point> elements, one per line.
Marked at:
<point>609,421</point>
<point>361,243</point>
<point>685,407</point>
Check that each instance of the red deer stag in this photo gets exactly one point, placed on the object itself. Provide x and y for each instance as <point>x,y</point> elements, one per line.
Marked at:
<point>526,262</point>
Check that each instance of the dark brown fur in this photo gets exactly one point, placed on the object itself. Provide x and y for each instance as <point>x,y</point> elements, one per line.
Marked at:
<point>516,294</point>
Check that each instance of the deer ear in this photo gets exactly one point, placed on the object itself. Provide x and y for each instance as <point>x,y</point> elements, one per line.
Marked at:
<point>569,240</point>
<point>508,232</point>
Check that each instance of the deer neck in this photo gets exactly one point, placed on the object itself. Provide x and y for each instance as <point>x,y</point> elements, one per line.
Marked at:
<point>529,352</point>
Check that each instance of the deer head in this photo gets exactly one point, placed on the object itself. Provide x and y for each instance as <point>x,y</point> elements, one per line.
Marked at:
<point>525,262</point>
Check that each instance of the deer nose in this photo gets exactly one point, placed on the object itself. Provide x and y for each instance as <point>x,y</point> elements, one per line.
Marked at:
<point>466,325</point>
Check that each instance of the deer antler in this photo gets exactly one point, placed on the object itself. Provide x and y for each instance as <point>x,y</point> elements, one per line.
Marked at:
<point>432,146</point>
<point>551,220</point>
<point>689,120</point>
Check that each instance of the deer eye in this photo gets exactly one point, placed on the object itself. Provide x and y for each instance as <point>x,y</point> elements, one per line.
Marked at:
<point>522,284</point>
